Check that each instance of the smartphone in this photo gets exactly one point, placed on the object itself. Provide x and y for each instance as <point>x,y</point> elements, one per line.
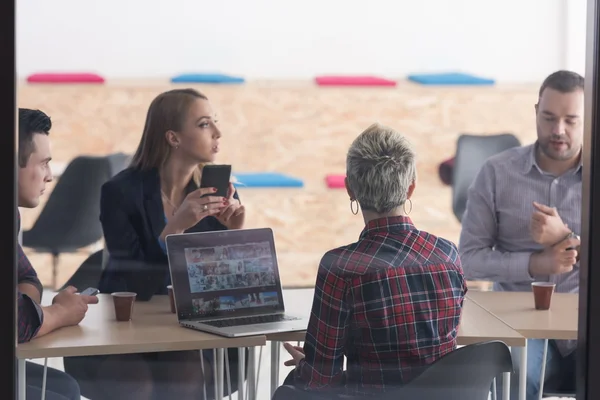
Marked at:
<point>217,176</point>
<point>90,291</point>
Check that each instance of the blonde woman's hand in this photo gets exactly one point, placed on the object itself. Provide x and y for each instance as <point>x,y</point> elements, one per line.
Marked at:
<point>197,205</point>
<point>232,216</point>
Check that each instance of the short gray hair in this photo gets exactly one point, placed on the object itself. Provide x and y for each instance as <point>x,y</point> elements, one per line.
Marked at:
<point>380,167</point>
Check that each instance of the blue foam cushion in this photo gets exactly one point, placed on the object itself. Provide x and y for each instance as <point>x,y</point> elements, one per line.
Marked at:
<point>267,179</point>
<point>206,78</point>
<point>452,78</point>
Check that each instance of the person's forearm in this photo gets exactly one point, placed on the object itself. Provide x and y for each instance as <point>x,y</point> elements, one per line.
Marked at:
<point>496,266</point>
<point>31,291</point>
<point>54,318</point>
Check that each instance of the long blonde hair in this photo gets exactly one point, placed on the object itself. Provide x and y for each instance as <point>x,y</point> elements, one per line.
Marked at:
<point>166,112</point>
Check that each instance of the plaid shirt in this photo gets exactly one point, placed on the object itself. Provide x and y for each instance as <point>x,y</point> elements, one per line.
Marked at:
<point>30,315</point>
<point>390,303</point>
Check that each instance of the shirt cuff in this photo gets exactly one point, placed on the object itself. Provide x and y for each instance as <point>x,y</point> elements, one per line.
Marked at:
<point>519,267</point>
<point>35,282</point>
<point>31,308</point>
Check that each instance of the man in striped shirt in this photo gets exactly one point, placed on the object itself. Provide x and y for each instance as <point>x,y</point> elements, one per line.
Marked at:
<point>524,213</point>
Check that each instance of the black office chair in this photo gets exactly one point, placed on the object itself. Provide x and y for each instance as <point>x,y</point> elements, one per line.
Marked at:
<point>471,153</point>
<point>70,219</point>
<point>88,273</point>
<point>464,374</point>
<point>118,162</point>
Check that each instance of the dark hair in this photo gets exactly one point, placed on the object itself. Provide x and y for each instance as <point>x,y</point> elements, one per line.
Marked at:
<point>562,81</point>
<point>31,122</point>
<point>166,112</point>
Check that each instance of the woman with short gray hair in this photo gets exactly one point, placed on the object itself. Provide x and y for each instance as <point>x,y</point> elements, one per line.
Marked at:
<point>390,302</point>
<point>380,173</point>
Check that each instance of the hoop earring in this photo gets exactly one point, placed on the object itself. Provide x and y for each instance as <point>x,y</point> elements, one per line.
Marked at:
<point>352,206</point>
<point>404,206</point>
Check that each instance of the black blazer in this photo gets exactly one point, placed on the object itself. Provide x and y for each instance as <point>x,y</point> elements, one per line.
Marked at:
<point>132,217</point>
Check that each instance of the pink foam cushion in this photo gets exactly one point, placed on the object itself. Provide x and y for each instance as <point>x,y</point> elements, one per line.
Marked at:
<point>65,78</point>
<point>353,81</point>
<point>335,181</point>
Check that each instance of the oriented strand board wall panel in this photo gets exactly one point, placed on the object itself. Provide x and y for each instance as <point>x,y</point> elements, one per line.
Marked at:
<point>298,129</point>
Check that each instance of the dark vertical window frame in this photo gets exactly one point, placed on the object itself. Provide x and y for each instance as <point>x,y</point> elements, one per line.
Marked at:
<point>8,227</point>
<point>588,352</point>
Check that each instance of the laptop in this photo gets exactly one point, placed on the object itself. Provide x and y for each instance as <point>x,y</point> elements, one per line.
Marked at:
<point>227,283</point>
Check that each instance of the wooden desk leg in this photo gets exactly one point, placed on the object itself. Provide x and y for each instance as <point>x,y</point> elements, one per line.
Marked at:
<point>520,354</point>
<point>275,346</point>
<point>505,386</point>
<point>258,368</point>
<point>203,374</point>
<point>228,376</point>
<point>251,393</point>
<point>241,372</point>
<point>543,372</point>
<point>220,358</point>
<point>22,388</point>
<point>44,376</point>
<point>523,379</point>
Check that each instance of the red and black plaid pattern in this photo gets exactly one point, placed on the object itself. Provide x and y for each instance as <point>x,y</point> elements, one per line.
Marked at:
<point>30,315</point>
<point>390,303</point>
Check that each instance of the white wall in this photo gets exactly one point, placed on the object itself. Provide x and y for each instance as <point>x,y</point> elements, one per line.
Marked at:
<point>575,41</point>
<point>510,40</point>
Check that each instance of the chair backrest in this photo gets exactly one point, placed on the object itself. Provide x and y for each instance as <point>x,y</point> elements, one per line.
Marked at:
<point>471,153</point>
<point>88,273</point>
<point>464,374</point>
<point>118,162</point>
<point>70,218</point>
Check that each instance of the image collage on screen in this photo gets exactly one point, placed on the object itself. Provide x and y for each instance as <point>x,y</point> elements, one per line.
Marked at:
<point>230,267</point>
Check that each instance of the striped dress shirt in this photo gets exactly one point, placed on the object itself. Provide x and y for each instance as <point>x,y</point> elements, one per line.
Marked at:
<point>495,241</point>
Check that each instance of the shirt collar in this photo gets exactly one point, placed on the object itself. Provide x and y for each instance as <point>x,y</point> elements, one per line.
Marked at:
<point>530,161</point>
<point>387,225</point>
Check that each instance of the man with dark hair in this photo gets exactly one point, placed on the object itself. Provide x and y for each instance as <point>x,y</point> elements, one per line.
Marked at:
<point>68,308</point>
<point>523,215</point>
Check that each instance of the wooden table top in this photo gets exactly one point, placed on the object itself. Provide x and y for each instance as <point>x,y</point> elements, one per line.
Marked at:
<point>477,324</point>
<point>153,328</point>
<point>516,309</point>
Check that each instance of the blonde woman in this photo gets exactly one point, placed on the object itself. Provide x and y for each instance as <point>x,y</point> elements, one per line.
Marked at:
<point>156,196</point>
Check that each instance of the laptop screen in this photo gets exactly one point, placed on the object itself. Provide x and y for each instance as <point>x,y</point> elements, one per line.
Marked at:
<point>224,273</point>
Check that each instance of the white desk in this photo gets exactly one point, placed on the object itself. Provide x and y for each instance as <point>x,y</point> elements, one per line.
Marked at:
<point>153,328</point>
<point>477,326</point>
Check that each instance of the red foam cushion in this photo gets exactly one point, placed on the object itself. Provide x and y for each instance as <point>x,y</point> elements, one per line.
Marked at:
<point>335,181</point>
<point>65,78</point>
<point>353,81</point>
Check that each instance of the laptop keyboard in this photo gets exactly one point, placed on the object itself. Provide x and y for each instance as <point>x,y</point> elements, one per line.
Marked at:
<point>262,319</point>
